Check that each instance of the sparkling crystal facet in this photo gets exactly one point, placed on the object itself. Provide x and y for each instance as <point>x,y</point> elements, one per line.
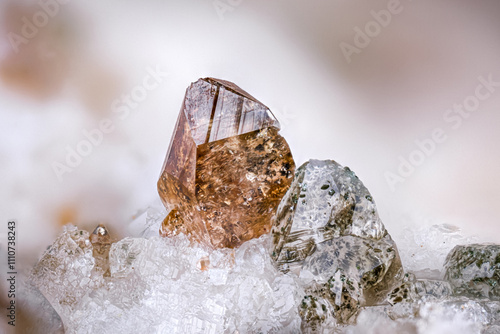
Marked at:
<point>327,230</point>
<point>474,270</point>
<point>156,286</point>
<point>413,290</point>
<point>226,169</point>
<point>101,243</point>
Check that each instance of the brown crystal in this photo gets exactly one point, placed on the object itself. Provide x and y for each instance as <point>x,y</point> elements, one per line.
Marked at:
<point>226,169</point>
<point>101,244</point>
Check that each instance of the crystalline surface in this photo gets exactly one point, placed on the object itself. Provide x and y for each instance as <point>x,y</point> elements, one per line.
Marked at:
<point>474,270</point>
<point>101,243</point>
<point>227,167</point>
<point>160,285</point>
<point>35,313</point>
<point>414,290</point>
<point>157,286</point>
<point>67,263</point>
<point>327,229</point>
<point>449,315</point>
<point>325,201</point>
<point>424,248</point>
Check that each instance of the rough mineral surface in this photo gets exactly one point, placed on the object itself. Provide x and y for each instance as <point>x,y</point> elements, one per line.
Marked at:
<point>414,290</point>
<point>101,243</point>
<point>449,315</point>
<point>423,247</point>
<point>227,167</point>
<point>474,270</point>
<point>65,274</point>
<point>328,231</point>
<point>158,285</point>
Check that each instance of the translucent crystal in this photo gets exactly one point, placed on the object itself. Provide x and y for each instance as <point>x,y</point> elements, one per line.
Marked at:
<point>448,315</point>
<point>325,201</point>
<point>414,290</point>
<point>474,270</point>
<point>226,169</point>
<point>101,243</point>
<point>156,286</point>
<point>327,230</point>
<point>35,315</point>
<point>423,248</point>
<point>64,274</point>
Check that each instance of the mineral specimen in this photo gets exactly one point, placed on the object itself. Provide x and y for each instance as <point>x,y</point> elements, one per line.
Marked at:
<point>65,273</point>
<point>413,290</point>
<point>474,270</point>
<point>449,315</point>
<point>101,243</point>
<point>426,246</point>
<point>156,286</point>
<point>327,230</point>
<point>226,169</point>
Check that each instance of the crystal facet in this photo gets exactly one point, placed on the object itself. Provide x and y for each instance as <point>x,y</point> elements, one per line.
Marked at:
<point>156,286</point>
<point>227,167</point>
<point>101,243</point>
<point>327,229</point>
<point>413,290</point>
<point>474,270</point>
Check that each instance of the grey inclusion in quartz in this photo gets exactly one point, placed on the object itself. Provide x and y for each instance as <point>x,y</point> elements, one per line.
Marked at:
<point>413,290</point>
<point>328,231</point>
<point>474,270</point>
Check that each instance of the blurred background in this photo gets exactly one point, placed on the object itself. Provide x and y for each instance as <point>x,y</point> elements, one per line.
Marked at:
<point>355,81</point>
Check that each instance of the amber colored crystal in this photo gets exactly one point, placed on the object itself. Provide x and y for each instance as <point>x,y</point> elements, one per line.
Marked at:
<point>226,169</point>
<point>101,244</point>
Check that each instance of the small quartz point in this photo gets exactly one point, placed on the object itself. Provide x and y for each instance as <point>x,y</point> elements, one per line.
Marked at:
<point>101,243</point>
<point>327,230</point>
<point>226,169</point>
<point>474,270</point>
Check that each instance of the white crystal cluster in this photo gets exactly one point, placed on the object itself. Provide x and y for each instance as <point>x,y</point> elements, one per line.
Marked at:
<point>159,285</point>
<point>162,285</point>
<point>423,249</point>
<point>446,316</point>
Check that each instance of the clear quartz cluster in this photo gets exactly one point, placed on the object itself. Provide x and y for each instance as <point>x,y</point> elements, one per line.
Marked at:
<point>160,285</point>
<point>328,231</point>
<point>426,246</point>
<point>65,273</point>
<point>438,316</point>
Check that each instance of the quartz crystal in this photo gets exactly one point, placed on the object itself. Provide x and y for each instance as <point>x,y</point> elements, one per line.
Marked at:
<point>64,274</point>
<point>474,270</point>
<point>414,290</point>
<point>449,315</point>
<point>226,169</point>
<point>328,231</point>
<point>156,285</point>
<point>427,245</point>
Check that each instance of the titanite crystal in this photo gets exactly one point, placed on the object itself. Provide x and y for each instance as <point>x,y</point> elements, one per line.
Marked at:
<point>328,231</point>
<point>227,167</point>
